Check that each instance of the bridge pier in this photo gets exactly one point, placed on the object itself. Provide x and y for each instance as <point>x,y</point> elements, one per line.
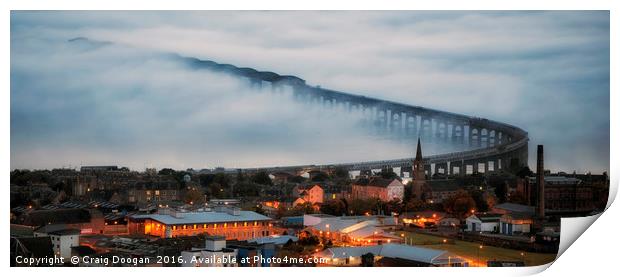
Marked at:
<point>411,124</point>
<point>457,134</point>
<point>381,118</point>
<point>441,168</point>
<point>456,165</point>
<point>396,123</point>
<point>426,127</point>
<point>474,137</point>
<point>442,130</point>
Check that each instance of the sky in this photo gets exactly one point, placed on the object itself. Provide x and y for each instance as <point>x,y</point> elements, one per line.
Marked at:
<point>90,102</point>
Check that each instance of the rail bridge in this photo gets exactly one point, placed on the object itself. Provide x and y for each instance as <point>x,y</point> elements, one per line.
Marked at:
<point>490,145</point>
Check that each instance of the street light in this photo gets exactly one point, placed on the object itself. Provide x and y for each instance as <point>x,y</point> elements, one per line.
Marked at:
<point>479,248</point>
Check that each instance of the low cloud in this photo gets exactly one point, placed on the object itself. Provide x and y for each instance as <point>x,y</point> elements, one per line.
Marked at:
<point>547,72</point>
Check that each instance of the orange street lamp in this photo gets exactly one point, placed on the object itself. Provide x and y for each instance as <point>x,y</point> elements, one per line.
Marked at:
<point>479,248</point>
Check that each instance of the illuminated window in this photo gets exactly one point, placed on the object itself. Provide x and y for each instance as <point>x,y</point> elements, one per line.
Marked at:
<point>333,196</point>
<point>174,227</point>
<point>194,226</point>
<point>235,224</point>
<point>245,223</point>
<point>225,225</point>
<point>156,192</point>
<point>204,226</point>
<point>215,226</point>
<point>184,226</point>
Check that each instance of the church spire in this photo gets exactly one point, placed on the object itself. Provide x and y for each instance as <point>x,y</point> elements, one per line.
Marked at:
<point>418,154</point>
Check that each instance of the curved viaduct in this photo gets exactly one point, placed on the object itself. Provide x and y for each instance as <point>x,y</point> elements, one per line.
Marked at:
<point>495,145</point>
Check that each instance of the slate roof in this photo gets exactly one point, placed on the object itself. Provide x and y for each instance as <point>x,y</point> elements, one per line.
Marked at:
<point>373,181</point>
<point>67,216</point>
<point>516,208</point>
<point>65,232</point>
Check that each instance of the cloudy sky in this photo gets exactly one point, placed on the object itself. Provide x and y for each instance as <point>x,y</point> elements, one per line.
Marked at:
<point>120,103</point>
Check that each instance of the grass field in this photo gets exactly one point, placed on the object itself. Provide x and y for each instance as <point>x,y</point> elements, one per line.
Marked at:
<point>470,250</point>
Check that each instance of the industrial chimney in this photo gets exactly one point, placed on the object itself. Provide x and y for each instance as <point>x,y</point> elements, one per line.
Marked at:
<point>540,180</point>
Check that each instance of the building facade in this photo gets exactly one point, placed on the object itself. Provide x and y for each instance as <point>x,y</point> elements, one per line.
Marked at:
<point>229,222</point>
<point>377,187</point>
<point>310,193</point>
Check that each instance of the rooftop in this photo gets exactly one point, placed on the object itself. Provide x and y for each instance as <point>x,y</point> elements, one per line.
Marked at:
<point>375,181</point>
<point>517,208</point>
<point>390,250</point>
<point>65,232</point>
<point>275,239</point>
<point>200,217</point>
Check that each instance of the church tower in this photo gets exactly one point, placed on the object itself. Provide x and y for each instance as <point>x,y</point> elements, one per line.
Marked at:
<point>419,176</point>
